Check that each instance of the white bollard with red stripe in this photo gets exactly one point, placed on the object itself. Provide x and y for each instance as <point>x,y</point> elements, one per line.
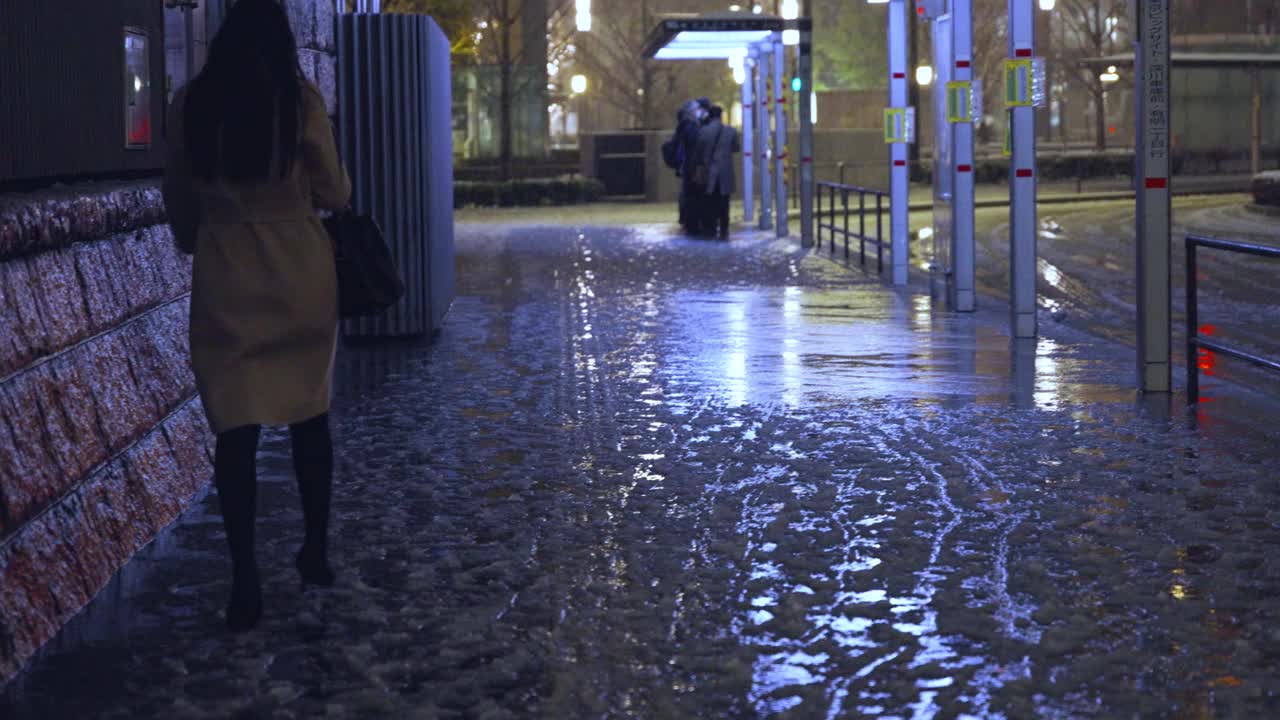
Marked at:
<point>1022,181</point>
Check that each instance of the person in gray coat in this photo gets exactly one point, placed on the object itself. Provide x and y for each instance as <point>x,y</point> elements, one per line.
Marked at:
<point>717,144</point>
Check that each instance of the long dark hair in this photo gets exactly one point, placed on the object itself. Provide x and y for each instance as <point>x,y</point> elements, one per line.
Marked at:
<point>242,111</point>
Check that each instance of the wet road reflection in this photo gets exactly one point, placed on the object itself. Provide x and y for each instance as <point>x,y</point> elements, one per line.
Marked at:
<point>647,477</point>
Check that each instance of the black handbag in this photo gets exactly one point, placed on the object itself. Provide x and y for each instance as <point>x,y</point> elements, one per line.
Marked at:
<point>368,279</point>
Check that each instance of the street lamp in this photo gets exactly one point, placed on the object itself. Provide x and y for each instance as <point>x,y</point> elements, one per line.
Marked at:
<point>924,75</point>
<point>578,84</point>
<point>1110,76</point>
<point>1048,5</point>
<point>582,15</point>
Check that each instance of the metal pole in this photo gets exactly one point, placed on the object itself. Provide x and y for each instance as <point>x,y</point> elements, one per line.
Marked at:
<point>1255,145</point>
<point>748,138</point>
<point>962,213</point>
<point>780,135</point>
<point>899,187</point>
<point>1193,326</point>
<point>1155,299</point>
<point>763,51</point>
<point>1022,183</point>
<point>806,126</point>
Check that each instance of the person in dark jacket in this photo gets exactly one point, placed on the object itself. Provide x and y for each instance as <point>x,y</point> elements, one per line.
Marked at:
<point>717,144</point>
<point>694,193</point>
<point>685,132</point>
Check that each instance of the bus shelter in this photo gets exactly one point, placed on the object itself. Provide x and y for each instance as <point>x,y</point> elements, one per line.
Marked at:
<point>755,46</point>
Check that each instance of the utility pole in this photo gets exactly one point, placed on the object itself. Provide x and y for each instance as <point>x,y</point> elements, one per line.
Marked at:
<point>805,112</point>
<point>913,88</point>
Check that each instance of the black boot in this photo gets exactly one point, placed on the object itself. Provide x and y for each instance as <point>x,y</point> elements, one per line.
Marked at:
<point>313,465</point>
<point>235,475</point>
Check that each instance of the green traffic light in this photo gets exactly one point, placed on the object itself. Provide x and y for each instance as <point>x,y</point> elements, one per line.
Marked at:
<point>796,84</point>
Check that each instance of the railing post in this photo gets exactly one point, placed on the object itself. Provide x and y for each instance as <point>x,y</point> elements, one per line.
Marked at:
<point>879,233</point>
<point>832,198</point>
<point>1193,327</point>
<point>844,204</point>
<point>862,228</point>
<point>817,215</point>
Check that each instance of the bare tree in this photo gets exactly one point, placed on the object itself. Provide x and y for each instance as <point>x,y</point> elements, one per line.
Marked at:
<point>1090,29</point>
<point>611,55</point>
<point>498,45</point>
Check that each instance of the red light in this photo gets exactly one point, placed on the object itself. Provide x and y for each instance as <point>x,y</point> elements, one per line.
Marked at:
<point>1111,130</point>
<point>1208,329</point>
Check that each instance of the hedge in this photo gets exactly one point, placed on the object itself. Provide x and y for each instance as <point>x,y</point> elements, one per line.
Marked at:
<point>1266,188</point>
<point>1064,167</point>
<point>569,190</point>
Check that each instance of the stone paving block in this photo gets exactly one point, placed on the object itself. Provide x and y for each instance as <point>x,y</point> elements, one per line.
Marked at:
<point>76,403</point>
<point>190,440</point>
<point>23,326</point>
<point>37,444</point>
<point>60,298</point>
<point>326,78</point>
<point>125,412</point>
<point>59,216</point>
<point>325,16</point>
<point>55,564</point>
<point>302,16</point>
<point>95,276</point>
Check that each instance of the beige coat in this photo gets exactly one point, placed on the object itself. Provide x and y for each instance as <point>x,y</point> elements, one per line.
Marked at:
<point>264,308</point>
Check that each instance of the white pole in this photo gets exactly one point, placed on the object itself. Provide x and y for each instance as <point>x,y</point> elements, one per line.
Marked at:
<point>962,233</point>
<point>899,188</point>
<point>763,106</point>
<point>1151,89</point>
<point>1022,182</point>
<point>780,135</point>
<point>806,130</point>
<point>748,137</point>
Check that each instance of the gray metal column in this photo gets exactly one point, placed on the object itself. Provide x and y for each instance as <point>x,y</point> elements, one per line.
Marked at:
<point>1151,89</point>
<point>780,135</point>
<point>748,138</point>
<point>1022,182</point>
<point>899,185</point>
<point>805,110</point>
<point>763,52</point>
<point>964,294</point>
<point>395,137</point>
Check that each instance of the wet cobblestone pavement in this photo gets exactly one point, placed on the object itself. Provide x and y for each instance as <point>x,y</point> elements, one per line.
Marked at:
<point>646,477</point>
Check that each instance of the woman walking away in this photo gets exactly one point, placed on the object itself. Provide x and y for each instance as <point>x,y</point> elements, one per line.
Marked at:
<point>250,151</point>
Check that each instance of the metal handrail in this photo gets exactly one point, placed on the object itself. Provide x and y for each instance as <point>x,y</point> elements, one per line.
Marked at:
<point>1194,341</point>
<point>843,229</point>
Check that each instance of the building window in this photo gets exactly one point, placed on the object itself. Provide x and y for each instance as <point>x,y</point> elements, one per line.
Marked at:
<point>137,90</point>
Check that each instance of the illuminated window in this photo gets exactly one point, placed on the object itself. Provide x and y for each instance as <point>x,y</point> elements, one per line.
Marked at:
<point>137,90</point>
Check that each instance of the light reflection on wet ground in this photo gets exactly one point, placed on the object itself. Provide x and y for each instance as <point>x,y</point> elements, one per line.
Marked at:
<point>646,477</point>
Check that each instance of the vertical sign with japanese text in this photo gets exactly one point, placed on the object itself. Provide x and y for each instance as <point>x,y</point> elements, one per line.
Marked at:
<point>1152,90</point>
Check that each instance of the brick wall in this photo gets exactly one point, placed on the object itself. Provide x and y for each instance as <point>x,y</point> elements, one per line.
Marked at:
<point>103,439</point>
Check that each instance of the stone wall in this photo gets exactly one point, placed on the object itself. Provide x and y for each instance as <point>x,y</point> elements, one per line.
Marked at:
<point>103,439</point>
<point>312,22</point>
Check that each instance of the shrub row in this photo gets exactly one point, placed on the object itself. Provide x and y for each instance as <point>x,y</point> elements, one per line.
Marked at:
<point>569,190</point>
<point>1084,167</point>
<point>1266,188</point>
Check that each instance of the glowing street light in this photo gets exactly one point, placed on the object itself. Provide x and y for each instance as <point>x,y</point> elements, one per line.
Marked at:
<point>924,75</point>
<point>790,9</point>
<point>1047,5</point>
<point>582,15</point>
<point>578,84</point>
<point>1110,76</point>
